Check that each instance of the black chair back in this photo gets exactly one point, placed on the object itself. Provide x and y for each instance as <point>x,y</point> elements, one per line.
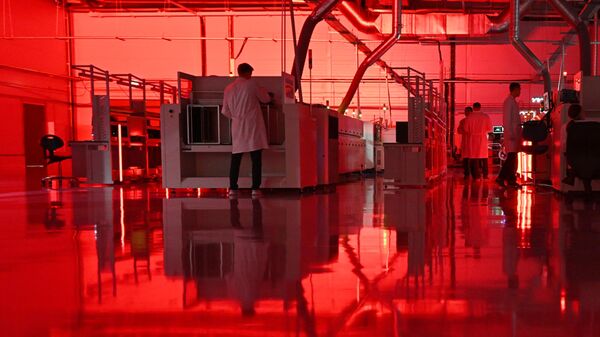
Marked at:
<point>535,131</point>
<point>51,143</point>
<point>583,148</point>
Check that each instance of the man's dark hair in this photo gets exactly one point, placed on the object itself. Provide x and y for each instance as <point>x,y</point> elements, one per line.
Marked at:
<point>469,109</point>
<point>574,111</point>
<point>514,85</point>
<point>477,105</point>
<point>244,69</point>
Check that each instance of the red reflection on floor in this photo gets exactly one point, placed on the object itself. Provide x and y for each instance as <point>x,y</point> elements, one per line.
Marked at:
<point>460,259</point>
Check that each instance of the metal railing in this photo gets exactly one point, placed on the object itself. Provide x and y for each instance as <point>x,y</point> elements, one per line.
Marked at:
<point>418,85</point>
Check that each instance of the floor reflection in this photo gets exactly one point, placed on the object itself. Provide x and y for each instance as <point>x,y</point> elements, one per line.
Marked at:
<point>458,259</point>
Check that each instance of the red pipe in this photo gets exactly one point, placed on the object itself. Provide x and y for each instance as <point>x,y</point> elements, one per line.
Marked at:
<point>375,55</point>
<point>573,19</point>
<point>323,8</point>
<point>363,20</point>
<point>203,46</point>
<point>500,23</point>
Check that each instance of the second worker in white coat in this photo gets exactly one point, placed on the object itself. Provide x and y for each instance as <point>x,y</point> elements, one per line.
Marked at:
<point>476,128</point>
<point>241,103</point>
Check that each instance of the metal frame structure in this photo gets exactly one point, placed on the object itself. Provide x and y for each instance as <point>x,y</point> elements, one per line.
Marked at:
<point>94,73</point>
<point>130,110</point>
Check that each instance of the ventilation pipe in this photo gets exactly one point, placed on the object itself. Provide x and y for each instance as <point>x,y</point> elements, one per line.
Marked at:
<point>323,8</point>
<point>580,27</point>
<point>375,55</point>
<point>500,23</point>
<point>361,18</point>
<point>535,62</point>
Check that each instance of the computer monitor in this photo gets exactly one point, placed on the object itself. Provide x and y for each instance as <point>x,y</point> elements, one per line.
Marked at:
<point>498,129</point>
<point>547,101</point>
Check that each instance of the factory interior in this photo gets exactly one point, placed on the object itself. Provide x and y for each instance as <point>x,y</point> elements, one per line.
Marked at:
<point>376,214</point>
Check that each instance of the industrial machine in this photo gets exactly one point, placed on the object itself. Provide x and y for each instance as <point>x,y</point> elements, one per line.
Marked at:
<point>308,146</point>
<point>373,146</point>
<point>588,87</point>
<point>419,154</point>
<point>352,145</point>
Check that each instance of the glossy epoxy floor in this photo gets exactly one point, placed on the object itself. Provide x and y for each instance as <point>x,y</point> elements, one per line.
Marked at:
<point>460,259</point>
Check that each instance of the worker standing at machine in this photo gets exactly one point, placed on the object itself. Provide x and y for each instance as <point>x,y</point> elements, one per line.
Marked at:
<point>512,137</point>
<point>464,151</point>
<point>476,128</point>
<point>241,104</point>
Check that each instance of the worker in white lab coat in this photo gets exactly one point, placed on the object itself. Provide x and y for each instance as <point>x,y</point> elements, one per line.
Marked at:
<point>512,137</point>
<point>464,151</point>
<point>241,103</point>
<point>475,130</point>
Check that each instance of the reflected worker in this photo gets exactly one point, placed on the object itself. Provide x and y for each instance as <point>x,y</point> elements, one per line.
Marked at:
<point>250,258</point>
<point>241,104</point>
<point>512,137</point>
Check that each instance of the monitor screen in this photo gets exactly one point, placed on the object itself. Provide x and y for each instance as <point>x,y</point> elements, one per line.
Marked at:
<point>546,101</point>
<point>498,129</point>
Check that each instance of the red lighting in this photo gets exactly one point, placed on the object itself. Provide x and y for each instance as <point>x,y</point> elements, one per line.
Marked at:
<point>120,140</point>
<point>525,164</point>
<point>575,306</point>
<point>524,201</point>
<point>122,215</point>
<point>563,301</point>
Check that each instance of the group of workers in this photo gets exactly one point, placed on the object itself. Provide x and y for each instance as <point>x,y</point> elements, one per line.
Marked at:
<point>474,129</point>
<point>241,103</point>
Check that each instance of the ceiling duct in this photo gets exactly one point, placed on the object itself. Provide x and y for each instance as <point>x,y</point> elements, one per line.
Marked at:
<point>360,17</point>
<point>375,55</point>
<point>585,53</point>
<point>515,37</point>
<point>319,12</point>
<point>441,25</point>
<point>500,23</point>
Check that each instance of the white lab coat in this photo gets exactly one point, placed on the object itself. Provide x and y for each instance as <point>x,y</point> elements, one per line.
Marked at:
<point>475,134</point>
<point>241,103</point>
<point>463,140</point>
<point>512,125</point>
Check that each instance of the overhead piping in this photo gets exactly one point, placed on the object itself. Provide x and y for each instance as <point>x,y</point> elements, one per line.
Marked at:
<point>582,32</point>
<point>203,49</point>
<point>375,55</point>
<point>529,56</point>
<point>323,8</point>
<point>500,23</point>
<point>363,20</point>
<point>586,14</point>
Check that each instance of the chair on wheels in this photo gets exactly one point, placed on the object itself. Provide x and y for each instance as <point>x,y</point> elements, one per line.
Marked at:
<point>583,152</point>
<point>49,144</point>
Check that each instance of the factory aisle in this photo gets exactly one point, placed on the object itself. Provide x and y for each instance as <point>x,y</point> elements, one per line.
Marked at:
<point>454,260</point>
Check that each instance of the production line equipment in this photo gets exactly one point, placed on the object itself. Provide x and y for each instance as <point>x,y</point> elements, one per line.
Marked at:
<point>308,146</point>
<point>585,154</point>
<point>419,154</point>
